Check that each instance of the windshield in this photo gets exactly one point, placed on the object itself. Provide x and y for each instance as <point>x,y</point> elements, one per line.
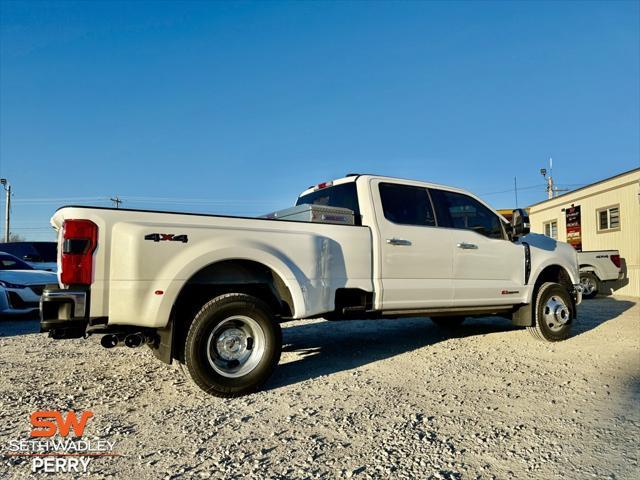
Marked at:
<point>343,196</point>
<point>9,262</point>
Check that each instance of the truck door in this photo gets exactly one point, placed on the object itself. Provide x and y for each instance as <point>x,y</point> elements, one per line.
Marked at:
<point>488,269</point>
<point>415,255</point>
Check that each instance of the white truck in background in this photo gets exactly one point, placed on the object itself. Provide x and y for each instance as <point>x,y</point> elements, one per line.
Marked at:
<point>210,291</point>
<point>597,267</point>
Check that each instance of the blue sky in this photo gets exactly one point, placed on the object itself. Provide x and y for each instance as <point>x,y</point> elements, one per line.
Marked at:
<point>237,107</point>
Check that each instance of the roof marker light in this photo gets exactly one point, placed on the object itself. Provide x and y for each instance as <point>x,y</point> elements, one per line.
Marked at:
<point>322,185</point>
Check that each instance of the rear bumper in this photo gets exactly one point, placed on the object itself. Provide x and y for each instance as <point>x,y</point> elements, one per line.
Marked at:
<point>64,313</point>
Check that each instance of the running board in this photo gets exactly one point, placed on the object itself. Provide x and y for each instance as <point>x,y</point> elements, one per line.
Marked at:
<point>451,310</point>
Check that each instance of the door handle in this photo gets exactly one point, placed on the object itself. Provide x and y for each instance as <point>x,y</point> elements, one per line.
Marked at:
<point>467,246</point>
<point>398,241</point>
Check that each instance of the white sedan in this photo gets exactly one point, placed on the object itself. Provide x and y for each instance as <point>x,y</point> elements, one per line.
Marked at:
<point>21,285</point>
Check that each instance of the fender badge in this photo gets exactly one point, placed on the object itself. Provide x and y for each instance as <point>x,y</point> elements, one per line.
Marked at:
<point>166,237</point>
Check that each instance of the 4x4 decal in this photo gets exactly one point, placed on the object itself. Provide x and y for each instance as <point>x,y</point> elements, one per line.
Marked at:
<point>166,237</point>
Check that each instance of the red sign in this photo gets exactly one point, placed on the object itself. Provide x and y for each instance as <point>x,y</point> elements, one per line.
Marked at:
<point>574,228</point>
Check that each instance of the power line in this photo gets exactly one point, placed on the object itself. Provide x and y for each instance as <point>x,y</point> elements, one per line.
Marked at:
<point>158,200</point>
<point>13,229</point>
<point>116,201</point>
<point>511,190</point>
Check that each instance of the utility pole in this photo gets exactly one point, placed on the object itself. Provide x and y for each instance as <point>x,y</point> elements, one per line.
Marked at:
<point>549,186</point>
<point>515,189</point>
<point>551,189</point>
<point>7,212</point>
<point>116,201</point>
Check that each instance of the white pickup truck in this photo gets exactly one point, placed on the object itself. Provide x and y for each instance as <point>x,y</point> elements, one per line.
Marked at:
<point>597,267</point>
<point>210,291</point>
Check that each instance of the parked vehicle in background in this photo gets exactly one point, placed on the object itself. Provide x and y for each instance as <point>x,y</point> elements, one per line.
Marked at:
<point>21,285</point>
<point>210,291</point>
<point>39,255</point>
<point>597,267</point>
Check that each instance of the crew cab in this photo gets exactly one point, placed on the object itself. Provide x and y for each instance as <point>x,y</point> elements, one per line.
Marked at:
<point>210,291</point>
<point>597,267</point>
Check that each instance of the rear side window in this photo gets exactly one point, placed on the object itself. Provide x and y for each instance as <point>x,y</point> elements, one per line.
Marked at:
<point>344,196</point>
<point>456,210</point>
<point>406,205</point>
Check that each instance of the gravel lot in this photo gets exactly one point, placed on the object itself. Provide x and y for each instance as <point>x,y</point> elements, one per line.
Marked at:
<point>359,399</point>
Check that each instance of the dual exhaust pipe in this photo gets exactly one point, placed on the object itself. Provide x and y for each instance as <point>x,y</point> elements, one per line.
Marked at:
<point>131,340</point>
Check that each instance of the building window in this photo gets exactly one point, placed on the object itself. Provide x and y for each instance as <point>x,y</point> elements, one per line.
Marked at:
<point>551,229</point>
<point>609,218</point>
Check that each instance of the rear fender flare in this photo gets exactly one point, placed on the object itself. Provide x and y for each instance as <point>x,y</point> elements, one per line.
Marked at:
<point>280,264</point>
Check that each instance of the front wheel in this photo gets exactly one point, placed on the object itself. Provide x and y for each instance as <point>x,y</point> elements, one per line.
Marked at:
<point>589,284</point>
<point>233,345</point>
<point>553,313</point>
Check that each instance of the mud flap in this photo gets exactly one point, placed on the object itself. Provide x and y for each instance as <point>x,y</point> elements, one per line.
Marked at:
<point>162,348</point>
<point>523,316</point>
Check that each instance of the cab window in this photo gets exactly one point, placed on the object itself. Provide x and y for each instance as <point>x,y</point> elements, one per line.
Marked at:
<point>456,210</point>
<point>406,205</point>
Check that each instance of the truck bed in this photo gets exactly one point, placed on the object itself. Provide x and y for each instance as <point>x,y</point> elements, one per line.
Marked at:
<point>143,252</point>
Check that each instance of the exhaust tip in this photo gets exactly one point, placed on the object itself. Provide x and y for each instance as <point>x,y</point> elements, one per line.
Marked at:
<point>133,340</point>
<point>109,341</point>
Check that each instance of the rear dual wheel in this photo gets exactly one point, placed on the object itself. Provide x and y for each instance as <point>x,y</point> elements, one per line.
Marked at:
<point>233,345</point>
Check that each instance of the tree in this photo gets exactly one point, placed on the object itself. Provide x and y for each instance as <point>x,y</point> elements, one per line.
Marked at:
<point>14,237</point>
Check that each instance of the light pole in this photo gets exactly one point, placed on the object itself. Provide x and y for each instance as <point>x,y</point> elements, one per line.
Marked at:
<point>7,212</point>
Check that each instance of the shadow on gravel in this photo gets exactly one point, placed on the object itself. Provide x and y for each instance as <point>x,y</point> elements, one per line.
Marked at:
<point>329,347</point>
<point>594,312</point>
<point>13,326</point>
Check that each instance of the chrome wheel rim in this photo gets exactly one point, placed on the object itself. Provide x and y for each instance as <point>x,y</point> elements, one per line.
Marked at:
<point>588,285</point>
<point>555,313</point>
<point>236,346</point>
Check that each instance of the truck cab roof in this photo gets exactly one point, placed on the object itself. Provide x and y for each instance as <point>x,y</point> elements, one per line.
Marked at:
<point>356,177</point>
<point>353,177</point>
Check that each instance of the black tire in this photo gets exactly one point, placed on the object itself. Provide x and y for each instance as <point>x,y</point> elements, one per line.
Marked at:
<point>590,284</point>
<point>553,304</point>
<point>227,315</point>
<point>448,322</point>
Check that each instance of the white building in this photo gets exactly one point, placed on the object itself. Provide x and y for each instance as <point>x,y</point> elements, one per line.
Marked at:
<point>602,216</point>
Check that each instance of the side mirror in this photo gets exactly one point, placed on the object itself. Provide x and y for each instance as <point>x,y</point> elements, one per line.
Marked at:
<point>520,222</point>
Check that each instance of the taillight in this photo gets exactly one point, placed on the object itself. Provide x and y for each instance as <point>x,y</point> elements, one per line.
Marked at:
<point>616,260</point>
<point>79,241</point>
